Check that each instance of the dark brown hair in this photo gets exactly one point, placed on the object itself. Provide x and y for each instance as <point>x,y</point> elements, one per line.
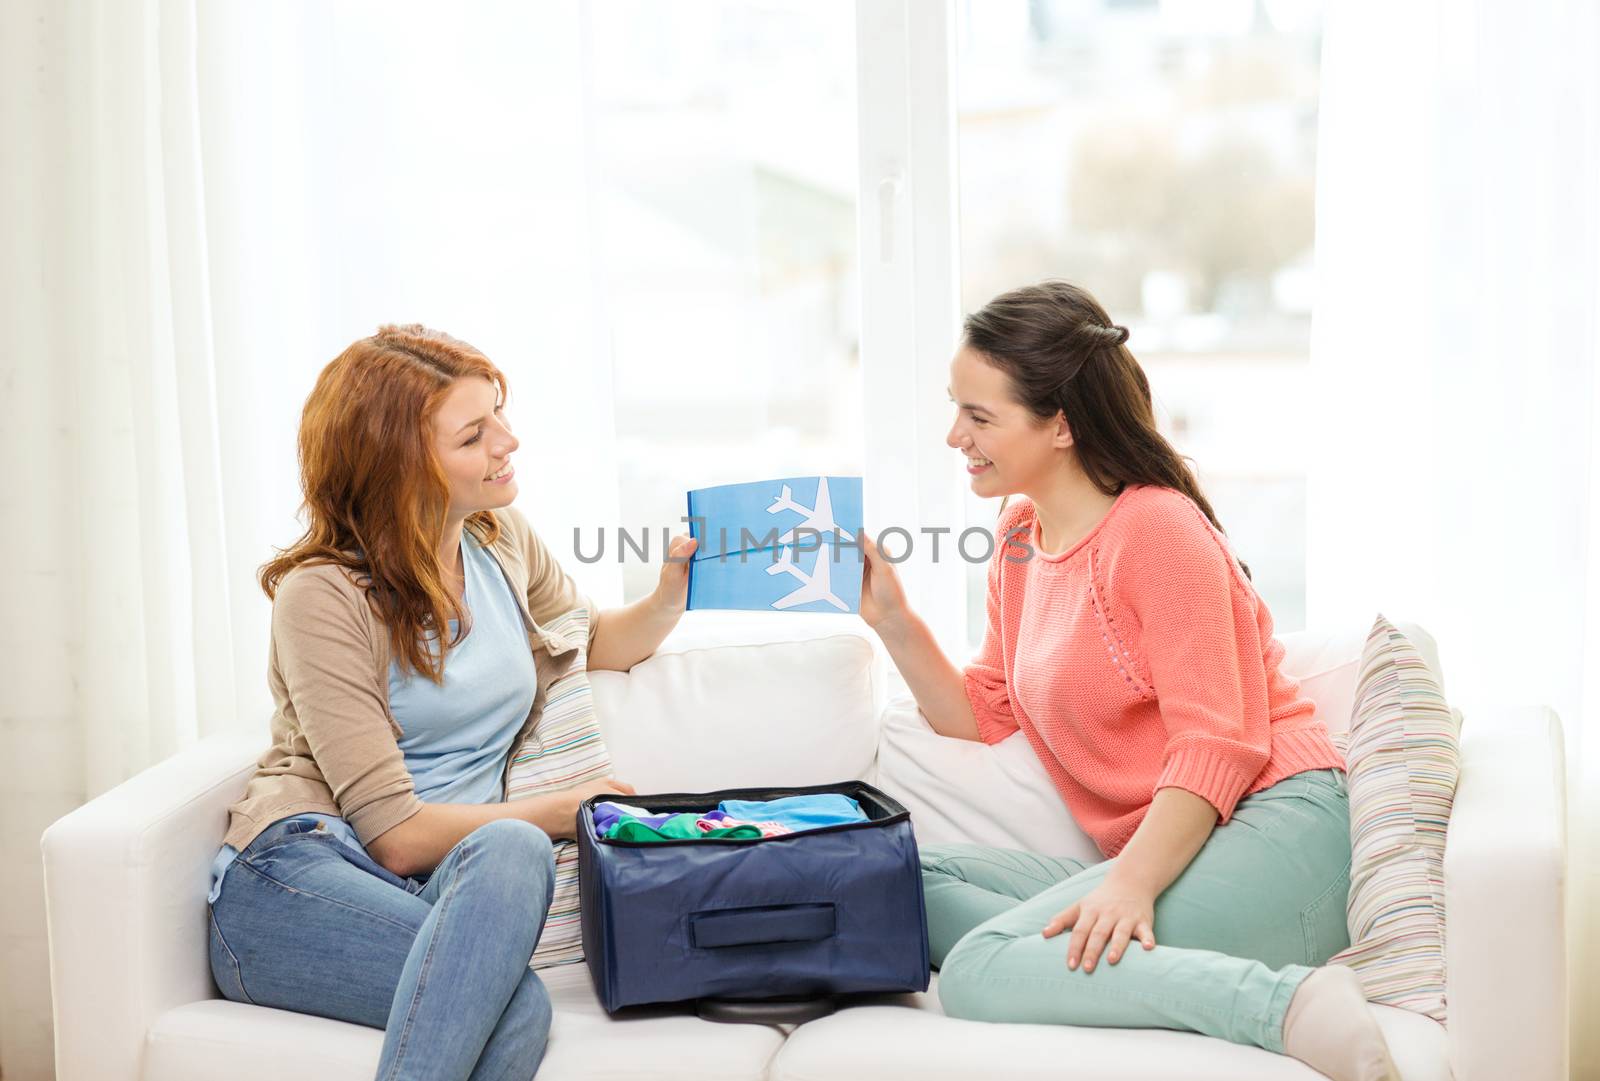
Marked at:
<point>1063,355</point>
<point>376,498</point>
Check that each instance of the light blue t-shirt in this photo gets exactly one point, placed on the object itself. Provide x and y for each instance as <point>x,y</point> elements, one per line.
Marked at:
<point>456,736</point>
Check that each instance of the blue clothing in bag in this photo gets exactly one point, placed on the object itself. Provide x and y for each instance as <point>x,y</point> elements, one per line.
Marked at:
<point>797,812</point>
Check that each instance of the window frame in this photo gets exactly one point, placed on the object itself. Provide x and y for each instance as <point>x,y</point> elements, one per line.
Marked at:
<point>909,252</point>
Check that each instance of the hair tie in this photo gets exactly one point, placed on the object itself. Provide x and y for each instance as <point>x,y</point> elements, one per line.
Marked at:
<point>1121,333</point>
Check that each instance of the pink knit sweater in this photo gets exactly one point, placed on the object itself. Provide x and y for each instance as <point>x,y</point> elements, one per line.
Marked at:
<point>1139,659</point>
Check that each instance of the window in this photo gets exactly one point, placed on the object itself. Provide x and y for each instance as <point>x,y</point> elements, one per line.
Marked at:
<point>1161,154</point>
<point>724,153</point>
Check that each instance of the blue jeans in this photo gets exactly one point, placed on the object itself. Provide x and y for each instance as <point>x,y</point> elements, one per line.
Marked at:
<point>305,922</point>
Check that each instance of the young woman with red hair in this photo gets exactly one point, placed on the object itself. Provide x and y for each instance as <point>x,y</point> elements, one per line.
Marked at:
<point>373,871</point>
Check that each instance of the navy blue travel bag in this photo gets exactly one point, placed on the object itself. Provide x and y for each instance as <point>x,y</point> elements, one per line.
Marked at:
<point>835,910</point>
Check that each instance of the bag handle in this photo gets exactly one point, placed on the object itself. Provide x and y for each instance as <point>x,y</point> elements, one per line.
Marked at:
<point>762,925</point>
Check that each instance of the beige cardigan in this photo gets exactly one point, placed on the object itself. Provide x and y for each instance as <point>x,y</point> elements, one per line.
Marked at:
<point>335,746</point>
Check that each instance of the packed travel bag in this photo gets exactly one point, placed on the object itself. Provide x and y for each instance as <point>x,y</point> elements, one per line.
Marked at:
<point>823,911</point>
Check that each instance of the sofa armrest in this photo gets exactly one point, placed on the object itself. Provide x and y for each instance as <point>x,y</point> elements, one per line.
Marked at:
<point>1505,906</point>
<point>126,877</point>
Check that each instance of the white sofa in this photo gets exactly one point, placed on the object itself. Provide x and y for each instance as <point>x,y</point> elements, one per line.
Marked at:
<point>797,700</point>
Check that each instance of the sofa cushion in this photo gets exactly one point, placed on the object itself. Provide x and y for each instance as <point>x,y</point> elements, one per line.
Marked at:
<point>1326,663</point>
<point>961,791</point>
<point>204,1041</point>
<point>1403,762</point>
<point>907,1038</point>
<point>565,748</point>
<point>794,701</point>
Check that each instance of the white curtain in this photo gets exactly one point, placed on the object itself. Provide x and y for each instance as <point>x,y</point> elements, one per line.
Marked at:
<point>120,635</point>
<point>204,203</point>
<point>1454,361</point>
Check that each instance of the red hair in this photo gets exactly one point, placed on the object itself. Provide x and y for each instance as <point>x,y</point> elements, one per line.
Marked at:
<point>376,499</point>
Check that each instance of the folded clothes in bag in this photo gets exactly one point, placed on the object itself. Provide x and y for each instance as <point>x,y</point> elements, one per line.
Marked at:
<point>827,909</point>
<point>797,812</point>
<point>768,818</point>
<point>684,827</point>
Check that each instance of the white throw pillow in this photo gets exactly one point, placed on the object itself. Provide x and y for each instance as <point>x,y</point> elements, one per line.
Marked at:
<point>1325,663</point>
<point>1403,761</point>
<point>745,715</point>
<point>962,791</point>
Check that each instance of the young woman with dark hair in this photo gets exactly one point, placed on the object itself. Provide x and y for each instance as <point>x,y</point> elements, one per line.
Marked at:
<point>1126,641</point>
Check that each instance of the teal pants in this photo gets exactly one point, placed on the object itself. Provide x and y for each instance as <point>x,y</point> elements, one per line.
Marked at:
<point>1235,933</point>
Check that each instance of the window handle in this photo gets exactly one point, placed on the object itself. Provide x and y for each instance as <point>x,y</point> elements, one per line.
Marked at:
<point>888,196</point>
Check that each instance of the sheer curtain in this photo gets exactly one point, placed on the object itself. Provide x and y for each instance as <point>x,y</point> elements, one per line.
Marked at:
<point>120,639</point>
<point>205,202</point>
<point>1454,361</point>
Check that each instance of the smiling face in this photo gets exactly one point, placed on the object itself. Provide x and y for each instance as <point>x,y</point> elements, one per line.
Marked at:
<point>473,442</point>
<point>1009,451</point>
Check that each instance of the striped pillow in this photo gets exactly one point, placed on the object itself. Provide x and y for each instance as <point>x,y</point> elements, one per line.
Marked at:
<point>564,749</point>
<point>1403,761</point>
